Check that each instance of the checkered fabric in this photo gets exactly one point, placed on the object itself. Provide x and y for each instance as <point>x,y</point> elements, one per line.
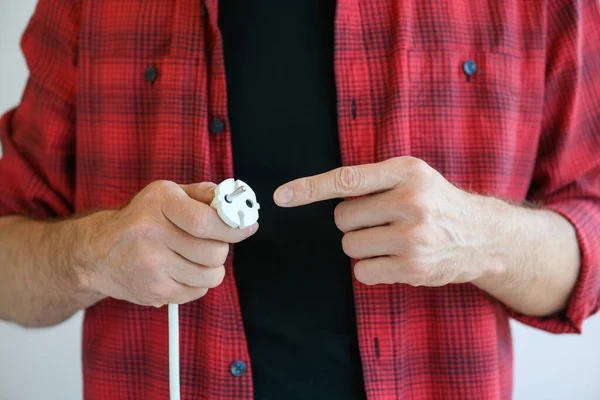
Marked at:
<point>502,97</point>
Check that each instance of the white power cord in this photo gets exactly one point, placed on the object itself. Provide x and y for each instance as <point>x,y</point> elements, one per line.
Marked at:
<point>236,204</point>
<point>174,352</point>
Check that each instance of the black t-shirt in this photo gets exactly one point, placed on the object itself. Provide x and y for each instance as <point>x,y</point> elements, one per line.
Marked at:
<point>293,278</point>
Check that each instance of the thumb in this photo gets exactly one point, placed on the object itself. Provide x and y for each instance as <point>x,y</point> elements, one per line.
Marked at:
<point>203,192</point>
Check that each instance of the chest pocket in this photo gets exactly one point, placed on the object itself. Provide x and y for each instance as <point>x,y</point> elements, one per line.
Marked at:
<point>469,115</point>
<point>139,120</point>
<point>132,28</point>
<point>453,80</point>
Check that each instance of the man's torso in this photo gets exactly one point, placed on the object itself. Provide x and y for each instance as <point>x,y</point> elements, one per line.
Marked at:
<point>402,89</point>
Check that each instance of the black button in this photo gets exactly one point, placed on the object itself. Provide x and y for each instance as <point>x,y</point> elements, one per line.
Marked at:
<point>470,67</point>
<point>203,10</point>
<point>238,368</point>
<point>151,73</point>
<point>217,126</point>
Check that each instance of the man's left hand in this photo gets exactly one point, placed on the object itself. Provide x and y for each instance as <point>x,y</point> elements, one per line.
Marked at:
<point>409,224</point>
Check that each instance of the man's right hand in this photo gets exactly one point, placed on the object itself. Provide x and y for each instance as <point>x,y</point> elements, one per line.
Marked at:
<point>167,246</point>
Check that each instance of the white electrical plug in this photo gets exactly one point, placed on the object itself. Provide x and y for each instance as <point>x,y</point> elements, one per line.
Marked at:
<point>236,203</point>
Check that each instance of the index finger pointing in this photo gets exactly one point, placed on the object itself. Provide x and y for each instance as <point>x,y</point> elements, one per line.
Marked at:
<point>339,183</point>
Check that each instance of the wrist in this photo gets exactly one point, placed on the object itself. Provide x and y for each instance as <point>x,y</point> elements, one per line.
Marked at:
<point>90,236</point>
<point>494,228</point>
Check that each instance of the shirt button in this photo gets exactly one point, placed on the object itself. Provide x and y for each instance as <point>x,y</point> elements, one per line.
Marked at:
<point>217,126</point>
<point>238,368</point>
<point>469,67</point>
<point>151,73</point>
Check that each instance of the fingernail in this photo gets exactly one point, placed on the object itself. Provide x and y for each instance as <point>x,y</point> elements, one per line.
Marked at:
<point>283,195</point>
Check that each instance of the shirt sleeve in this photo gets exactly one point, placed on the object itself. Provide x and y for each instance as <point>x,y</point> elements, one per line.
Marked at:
<point>567,174</point>
<point>38,137</point>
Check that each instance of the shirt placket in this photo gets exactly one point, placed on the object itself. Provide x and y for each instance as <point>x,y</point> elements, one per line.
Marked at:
<point>357,135</point>
<point>233,362</point>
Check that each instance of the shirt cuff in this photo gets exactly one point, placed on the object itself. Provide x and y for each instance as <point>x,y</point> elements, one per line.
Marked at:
<point>584,215</point>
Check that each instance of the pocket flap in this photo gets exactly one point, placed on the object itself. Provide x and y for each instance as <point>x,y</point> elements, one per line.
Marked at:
<point>441,67</point>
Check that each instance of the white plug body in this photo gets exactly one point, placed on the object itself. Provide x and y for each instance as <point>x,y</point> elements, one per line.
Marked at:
<point>239,211</point>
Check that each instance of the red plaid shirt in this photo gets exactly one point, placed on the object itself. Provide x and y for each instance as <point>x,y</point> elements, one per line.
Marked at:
<point>522,121</point>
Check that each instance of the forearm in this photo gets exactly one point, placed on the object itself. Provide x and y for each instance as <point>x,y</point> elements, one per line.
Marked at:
<point>41,271</point>
<point>535,257</point>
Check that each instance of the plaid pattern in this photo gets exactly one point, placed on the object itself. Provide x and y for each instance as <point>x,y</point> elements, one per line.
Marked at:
<point>93,128</point>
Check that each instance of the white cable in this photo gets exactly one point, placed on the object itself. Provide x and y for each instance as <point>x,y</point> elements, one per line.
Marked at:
<point>236,204</point>
<point>174,352</point>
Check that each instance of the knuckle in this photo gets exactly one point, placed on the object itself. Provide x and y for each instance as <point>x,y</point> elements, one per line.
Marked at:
<point>310,189</point>
<point>155,189</point>
<point>420,274</point>
<point>148,302</point>
<point>151,264</point>
<point>399,163</point>
<point>215,278</point>
<point>199,223</point>
<point>339,215</point>
<point>347,180</point>
<point>149,196</point>
<point>146,228</point>
<point>237,236</point>
<point>361,274</point>
<point>416,165</point>
<point>366,275</point>
<point>418,169</point>
<point>221,254</point>
<point>201,292</point>
<point>159,291</point>
<point>420,239</point>
<point>162,185</point>
<point>439,276</point>
<point>139,299</point>
<point>389,272</point>
<point>349,245</point>
<point>422,208</point>
<point>143,301</point>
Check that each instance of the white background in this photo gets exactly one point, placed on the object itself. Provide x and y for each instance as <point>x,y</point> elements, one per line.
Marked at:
<point>45,363</point>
